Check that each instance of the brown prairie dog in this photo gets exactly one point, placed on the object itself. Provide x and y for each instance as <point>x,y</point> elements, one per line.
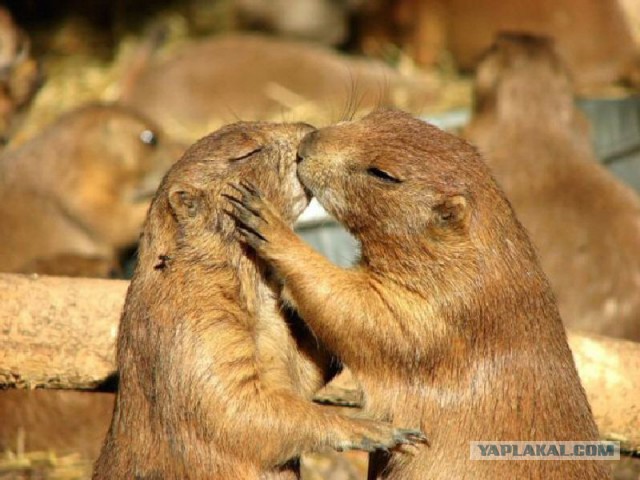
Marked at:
<point>251,77</point>
<point>215,380</point>
<point>594,37</point>
<point>448,319</point>
<point>81,188</point>
<point>19,74</point>
<point>69,200</point>
<point>584,223</point>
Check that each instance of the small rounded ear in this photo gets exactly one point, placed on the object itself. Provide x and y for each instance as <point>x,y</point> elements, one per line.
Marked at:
<point>186,202</point>
<point>452,210</point>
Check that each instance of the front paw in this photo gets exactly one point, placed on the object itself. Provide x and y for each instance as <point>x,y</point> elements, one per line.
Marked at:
<point>258,222</point>
<point>371,435</point>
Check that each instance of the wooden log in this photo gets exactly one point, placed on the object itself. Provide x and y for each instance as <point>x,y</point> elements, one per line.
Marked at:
<point>58,332</point>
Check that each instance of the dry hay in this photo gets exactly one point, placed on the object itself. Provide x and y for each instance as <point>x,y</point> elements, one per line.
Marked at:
<point>74,80</point>
<point>43,465</point>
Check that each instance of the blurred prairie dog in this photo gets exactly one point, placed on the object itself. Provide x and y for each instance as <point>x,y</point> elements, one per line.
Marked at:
<point>584,222</point>
<point>19,74</point>
<point>70,199</point>
<point>81,188</point>
<point>251,77</point>
<point>594,37</point>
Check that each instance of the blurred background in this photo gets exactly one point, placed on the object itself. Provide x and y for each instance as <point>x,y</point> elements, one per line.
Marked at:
<point>98,98</point>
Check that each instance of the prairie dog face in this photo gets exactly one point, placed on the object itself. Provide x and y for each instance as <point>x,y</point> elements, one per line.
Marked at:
<point>116,161</point>
<point>260,153</point>
<point>388,174</point>
<point>522,76</point>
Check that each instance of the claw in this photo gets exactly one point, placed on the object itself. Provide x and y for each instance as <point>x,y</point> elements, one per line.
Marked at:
<point>232,199</point>
<point>244,188</point>
<point>410,436</point>
<point>407,449</point>
<point>237,188</point>
<point>240,204</point>
<point>250,231</point>
<point>249,187</point>
<point>230,212</point>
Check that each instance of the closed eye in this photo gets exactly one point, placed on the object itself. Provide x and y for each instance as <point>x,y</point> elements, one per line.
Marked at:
<point>382,175</point>
<point>246,155</point>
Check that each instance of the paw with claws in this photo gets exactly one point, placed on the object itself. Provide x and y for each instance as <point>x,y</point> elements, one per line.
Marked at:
<point>372,435</point>
<point>258,222</point>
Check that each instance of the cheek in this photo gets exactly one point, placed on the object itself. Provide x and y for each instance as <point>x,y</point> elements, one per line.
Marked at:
<point>400,215</point>
<point>265,180</point>
<point>335,197</point>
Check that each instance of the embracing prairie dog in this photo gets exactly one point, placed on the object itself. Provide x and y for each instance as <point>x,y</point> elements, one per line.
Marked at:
<point>216,379</point>
<point>448,319</point>
<point>584,222</point>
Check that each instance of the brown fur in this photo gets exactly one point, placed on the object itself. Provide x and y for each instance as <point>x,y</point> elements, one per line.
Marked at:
<point>594,37</point>
<point>19,73</point>
<point>81,188</point>
<point>69,200</point>
<point>231,77</point>
<point>215,380</point>
<point>448,319</point>
<point>62,422</point>
<point>64,265</point>
<point>584,222</point>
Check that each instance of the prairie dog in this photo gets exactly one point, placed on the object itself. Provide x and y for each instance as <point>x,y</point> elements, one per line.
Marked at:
<point>215,381</point>
<point>448,319</point>
<point>584,222</point>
